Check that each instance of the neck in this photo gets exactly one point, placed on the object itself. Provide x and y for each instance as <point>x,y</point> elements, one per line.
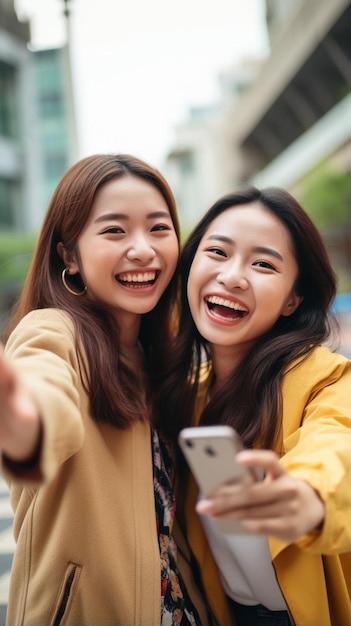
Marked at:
<point>129,325</point>
<point>225,359</point>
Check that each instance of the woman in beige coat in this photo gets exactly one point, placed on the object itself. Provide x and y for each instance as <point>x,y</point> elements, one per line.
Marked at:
<point>86,469</point>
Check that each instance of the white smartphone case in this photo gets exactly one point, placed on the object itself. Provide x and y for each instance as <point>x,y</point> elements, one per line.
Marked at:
<point>210,452</point>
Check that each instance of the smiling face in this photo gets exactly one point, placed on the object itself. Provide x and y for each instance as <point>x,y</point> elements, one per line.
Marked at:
<point>242,278</point>
<point>127,251</point>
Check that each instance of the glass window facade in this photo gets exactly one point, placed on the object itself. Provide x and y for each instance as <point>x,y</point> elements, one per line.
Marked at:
<point>8,101</point>
<point>7,203</point>
<point>50,72</point>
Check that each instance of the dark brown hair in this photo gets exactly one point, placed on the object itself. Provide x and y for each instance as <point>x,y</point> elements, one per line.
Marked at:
<point>250,400</point>
<point>113,389</point>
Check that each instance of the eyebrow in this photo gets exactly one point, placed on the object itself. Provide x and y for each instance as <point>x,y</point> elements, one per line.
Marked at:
<point>261,249</point>
<point>123,216</point>
<point>270,251</point>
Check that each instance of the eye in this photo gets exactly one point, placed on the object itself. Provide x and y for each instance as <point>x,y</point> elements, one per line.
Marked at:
<point>216,251</point>
<point>264,264</point>
<point>115,230</point>
<point>160,227</point>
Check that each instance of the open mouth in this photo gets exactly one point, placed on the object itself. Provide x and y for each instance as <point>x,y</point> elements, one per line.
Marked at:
<point>225,309</point>
<point>137,280</point>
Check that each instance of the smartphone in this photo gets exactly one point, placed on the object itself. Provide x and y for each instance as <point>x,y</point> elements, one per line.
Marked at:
<point>210,452</point>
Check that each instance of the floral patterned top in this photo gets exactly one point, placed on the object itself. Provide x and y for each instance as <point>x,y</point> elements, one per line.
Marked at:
<point>176,607</point>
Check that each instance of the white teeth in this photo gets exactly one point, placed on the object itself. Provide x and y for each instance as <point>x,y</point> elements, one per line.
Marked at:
<point>141,277</point>
<point>223,302</point>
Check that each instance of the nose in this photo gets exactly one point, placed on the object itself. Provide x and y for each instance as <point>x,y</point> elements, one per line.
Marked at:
<point>232,275</point>
<point>141,250</point>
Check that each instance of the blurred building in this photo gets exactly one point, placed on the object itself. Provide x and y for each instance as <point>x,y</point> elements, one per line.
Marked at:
<point>289,118</point>
<point>37,143</point>
<point>292,127</point>
<point>37,123</point>
<point>199,166</point>
<point>19,170</point>
<point>297,112</point>
<point>54,108</point>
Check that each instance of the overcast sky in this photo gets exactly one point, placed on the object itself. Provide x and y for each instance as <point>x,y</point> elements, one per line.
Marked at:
<point>140,65</point>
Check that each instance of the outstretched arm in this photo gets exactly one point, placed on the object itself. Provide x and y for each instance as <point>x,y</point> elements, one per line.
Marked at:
<point>20,424</point>
<point>280,505</point>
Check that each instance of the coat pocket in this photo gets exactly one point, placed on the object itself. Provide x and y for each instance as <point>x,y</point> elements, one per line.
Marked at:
<point>64,599</point>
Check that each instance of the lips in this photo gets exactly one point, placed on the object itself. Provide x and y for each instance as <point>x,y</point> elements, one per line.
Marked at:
<point>225,308</point>
<point>137,280</point>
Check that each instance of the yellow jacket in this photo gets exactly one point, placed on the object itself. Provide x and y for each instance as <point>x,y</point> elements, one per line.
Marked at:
<point>314,573</point>
<point>87,550</point>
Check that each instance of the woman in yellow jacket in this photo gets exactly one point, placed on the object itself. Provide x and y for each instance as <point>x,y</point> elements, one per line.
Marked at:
<point>257,287</point>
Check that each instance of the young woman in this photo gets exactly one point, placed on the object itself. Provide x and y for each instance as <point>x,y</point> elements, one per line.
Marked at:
<point>85,469</point>
<point>256,290</point>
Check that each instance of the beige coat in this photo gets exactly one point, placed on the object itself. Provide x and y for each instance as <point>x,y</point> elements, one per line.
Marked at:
<point>87,550</point>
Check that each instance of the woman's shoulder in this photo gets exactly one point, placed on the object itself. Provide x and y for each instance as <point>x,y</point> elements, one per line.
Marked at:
<point>319,364</point>
<point>46,318</point>
<point>43,327</point>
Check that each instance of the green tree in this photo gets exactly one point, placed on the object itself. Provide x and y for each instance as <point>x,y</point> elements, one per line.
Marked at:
<point>326,195</point>
<point>16,251</point>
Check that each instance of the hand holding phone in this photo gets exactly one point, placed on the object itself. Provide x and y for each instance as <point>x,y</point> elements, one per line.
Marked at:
<point>211,454</point>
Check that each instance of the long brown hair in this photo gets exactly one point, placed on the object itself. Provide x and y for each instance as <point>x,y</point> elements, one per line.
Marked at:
<point>113,389</point>
<point>250,399</point>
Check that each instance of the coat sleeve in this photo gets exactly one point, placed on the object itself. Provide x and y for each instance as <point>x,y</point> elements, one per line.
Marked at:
<point>318,448</point>
<point>43,353</point>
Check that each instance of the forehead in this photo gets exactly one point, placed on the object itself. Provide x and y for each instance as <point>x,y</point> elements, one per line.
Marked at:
<point>128,189</point>
<point>251,226</point>
<point>250,219</point>
<point>129,198</point>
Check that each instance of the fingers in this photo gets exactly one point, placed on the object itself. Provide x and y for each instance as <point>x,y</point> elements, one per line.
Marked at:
<point>285,507</point>
<point>258,502</point>
<point>293,519</point>
<point>237,497</point>
<point>262,459</point>
<point>13,399</point>
<point>263,498</point>
<point>19,417</point>
<point>7,378</point>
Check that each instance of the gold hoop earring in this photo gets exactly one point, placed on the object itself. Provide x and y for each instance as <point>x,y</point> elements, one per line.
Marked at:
<point>74,293</point>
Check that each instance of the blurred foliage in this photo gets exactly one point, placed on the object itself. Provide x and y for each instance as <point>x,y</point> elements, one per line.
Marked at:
<point>325,193</point>
<point>16,252</point>
<point>326,196</point>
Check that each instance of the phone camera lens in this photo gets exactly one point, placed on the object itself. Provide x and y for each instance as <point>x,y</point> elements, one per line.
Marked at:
<point>189,443</point>
<point>210,451</point>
